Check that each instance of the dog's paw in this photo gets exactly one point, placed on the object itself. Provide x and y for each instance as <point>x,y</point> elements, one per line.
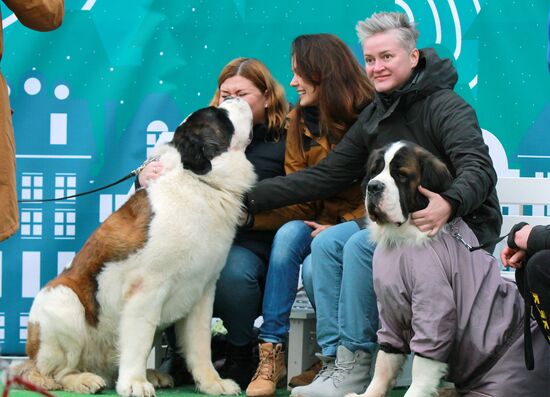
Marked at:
<point>159,379</point>
<point>135,388</point>
<point>220,387</point>
<point>84,382</point>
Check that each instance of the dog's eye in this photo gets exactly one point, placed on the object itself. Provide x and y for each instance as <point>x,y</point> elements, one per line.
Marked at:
<point>402,177</point>
<point>377,167</point>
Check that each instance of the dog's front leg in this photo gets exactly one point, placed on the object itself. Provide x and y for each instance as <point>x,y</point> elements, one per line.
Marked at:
<point>139,320</point>
<point>426,376</point>
<point>194,336</point>
<point>388,366</point>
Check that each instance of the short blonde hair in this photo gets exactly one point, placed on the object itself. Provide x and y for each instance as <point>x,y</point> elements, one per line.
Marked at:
<point>383,21</point>
<point>255,71</point>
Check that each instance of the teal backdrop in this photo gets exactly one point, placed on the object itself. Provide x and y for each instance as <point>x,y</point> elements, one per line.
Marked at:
<point>92,97</point>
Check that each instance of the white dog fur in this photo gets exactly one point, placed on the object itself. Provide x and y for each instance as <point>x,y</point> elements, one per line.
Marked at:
<point>171,279</point>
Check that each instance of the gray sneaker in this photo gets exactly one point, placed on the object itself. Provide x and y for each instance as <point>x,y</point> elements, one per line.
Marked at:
<point>348,374</point>
<point>323,375</point>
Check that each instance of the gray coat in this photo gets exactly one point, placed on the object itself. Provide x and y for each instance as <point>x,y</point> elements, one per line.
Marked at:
<point>448,304</point>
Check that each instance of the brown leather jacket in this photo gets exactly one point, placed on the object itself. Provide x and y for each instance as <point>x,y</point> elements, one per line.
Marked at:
<point>344,206</point>
<point>40,15</point>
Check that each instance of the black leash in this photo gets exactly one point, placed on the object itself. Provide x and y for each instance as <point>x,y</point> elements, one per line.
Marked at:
<point>528,340</point>
<point>130,175</point>
<point>459,237</point>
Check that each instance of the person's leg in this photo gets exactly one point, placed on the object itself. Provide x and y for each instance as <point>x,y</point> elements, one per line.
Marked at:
<point>307,279</point>
<point>358,313</point>
<point>327,256</point>
<point>538,277</point>
<point>237,302</point>
<point>337,259</point>
<point>290,246</point>
<point>238,294</point>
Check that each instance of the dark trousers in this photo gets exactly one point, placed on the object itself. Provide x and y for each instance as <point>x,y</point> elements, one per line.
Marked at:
<point>537,273</point>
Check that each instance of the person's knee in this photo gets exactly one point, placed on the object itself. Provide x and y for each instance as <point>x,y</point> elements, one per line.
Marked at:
<point>360,243</point>
<point>289,231</point>
<point>242,269</point>
<point>326,242</point>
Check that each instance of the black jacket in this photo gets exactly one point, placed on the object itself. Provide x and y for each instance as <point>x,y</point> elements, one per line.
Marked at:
<point>268,158</point>
<point>426,111</point>
<point>539,239</point>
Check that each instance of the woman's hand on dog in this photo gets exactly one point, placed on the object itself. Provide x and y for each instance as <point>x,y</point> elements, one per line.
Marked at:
<point>151,172</point>
<point>432,218</point>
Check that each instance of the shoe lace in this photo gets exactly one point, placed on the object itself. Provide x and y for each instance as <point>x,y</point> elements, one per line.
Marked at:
<point>266,367</point>
<point>326,370</point>
<point>340,370</point>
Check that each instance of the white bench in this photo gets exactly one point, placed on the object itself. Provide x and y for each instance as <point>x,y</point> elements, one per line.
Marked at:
<point>521,200</point>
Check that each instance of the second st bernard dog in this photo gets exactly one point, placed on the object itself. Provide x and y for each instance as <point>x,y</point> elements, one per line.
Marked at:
<point>436,299</point>
<point>153,262</point>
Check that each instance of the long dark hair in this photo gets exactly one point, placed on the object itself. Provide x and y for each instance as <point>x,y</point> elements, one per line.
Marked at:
<point>342,85</point>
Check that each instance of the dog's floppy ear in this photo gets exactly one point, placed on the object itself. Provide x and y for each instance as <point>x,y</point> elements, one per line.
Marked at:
<point>435,175</point>
<point>194,152</point>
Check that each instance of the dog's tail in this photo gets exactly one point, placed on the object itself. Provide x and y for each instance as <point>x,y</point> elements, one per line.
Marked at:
<point>28,371</point>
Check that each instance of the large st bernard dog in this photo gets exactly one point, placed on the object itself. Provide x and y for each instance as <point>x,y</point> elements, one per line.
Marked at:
<point>447,305</point>
<point>152,263</point>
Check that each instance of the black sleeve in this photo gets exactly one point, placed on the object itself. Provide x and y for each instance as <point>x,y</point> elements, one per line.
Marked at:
<point>344,165</point>
<point>455,123</point>
<point>539,239</point>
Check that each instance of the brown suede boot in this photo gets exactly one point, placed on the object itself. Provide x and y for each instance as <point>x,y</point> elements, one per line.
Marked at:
<point>306,377</point>
<point>271,371</point>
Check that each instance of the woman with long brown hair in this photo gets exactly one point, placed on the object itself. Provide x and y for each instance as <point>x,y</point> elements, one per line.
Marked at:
<point>333,89</point>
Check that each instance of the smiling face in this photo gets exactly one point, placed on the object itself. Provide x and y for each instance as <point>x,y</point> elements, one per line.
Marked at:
<point>241,87</point>
<point>388,64</point>
<point>309,96</point>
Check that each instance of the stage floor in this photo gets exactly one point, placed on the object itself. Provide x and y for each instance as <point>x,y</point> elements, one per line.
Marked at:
<point>177,392</point>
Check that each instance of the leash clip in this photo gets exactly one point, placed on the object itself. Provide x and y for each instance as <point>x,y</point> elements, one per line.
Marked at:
<point>144,164</point>
<point>457,236</point>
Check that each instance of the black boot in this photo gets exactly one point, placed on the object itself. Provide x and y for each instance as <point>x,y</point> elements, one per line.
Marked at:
<point>240,364</point>
<point>174,365</point>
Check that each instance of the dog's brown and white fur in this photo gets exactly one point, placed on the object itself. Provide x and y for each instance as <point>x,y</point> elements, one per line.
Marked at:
<point>395,173</point>
<point>152,263</point>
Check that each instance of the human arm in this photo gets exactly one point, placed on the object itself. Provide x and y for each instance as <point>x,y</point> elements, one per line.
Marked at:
<point>527,240</point>
<point>275,218</point>
<point>42,15</point>
<point>342,166</point>
<point>453,124</point>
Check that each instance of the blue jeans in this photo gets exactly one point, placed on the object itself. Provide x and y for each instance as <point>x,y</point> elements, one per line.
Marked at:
<point>239,294</point>
<point>290,246</point>
<point>341,261</point>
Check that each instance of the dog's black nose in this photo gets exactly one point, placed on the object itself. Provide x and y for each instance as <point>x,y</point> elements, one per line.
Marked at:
<point>375,187</point>
<point>228,97</point>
